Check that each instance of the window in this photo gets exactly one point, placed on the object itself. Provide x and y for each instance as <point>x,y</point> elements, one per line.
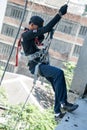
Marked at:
<point>76,51</point>
<point>15,12</point>
<point>83,31</point>
<point>85,9</point>
<point>61,46</point>
<point>5,51</point>
<point>9,30</point>
<point>67,27</point>
<point>10,67</point>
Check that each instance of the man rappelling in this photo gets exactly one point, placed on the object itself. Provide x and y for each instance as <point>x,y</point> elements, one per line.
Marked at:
<point>31,39</point>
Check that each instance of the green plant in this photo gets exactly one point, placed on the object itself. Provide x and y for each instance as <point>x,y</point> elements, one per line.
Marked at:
<point>3,97</point>
<point>1,70</point>
<point>69,70</point>
<point>31,118</point>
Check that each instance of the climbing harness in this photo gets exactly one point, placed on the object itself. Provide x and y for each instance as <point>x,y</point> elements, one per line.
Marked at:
<point>17,51</point>
<point>44,57</point>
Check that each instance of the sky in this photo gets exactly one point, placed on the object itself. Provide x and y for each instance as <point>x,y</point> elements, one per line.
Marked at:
<point>61,2</point>
<point>79,1</point>
<point>75,6</point>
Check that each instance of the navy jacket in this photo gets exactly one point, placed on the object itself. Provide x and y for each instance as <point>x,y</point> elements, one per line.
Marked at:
<point>28,39</point>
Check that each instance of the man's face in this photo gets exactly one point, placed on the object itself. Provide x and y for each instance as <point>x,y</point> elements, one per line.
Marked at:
<point>33,26</point>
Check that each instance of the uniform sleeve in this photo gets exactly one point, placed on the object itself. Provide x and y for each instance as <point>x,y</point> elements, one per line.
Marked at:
<point>33,33</point>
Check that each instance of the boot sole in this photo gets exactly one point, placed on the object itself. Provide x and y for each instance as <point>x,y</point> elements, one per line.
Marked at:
<point>71,110</point>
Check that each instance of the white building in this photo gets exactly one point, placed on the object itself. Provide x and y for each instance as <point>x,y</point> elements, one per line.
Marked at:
<point>68,37</point>
<point>3,4</point>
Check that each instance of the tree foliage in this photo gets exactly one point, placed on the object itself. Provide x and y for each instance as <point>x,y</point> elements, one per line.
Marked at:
<point>69,71</point>
<point>31,118</point>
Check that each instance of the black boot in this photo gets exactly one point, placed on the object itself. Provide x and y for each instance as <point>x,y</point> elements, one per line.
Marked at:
<point>59,116</point>
<point>69,106</point>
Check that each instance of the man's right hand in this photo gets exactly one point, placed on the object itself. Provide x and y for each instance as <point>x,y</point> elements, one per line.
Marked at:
<point>63,9</point>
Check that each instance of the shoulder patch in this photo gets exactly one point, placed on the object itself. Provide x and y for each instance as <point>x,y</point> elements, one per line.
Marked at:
<point>34,31</point>
<point>21,39</point>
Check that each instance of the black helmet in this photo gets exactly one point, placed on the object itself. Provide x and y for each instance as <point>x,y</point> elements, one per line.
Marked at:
<point>36,20</point>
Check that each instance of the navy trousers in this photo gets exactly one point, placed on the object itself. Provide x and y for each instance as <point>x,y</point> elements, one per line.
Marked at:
<point>56,77</point>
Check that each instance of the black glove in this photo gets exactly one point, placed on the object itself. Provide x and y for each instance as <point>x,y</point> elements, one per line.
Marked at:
<point>63,9</point>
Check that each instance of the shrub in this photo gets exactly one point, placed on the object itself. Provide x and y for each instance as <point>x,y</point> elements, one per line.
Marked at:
<point>31,118</point>
<point>69,70</point>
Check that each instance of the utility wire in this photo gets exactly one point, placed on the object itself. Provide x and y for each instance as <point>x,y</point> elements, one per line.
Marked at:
<point>25,6</point>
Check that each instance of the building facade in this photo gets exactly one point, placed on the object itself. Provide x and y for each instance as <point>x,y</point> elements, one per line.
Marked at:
<point>68,37</point>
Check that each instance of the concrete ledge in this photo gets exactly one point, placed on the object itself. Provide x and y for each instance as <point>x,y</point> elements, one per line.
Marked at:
<point>76,120</point>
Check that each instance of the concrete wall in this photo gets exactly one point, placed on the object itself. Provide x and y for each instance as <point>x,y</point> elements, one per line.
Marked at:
<point>80,77</point>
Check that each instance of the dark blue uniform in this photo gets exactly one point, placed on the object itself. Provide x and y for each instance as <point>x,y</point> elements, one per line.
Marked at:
<point>54,75</point>
<point>51,73</point>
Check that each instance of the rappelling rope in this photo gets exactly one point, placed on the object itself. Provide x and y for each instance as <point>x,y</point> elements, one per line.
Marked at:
<point>25,6</point>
